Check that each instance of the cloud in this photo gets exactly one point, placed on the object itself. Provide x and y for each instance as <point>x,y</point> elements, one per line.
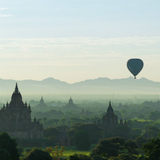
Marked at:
<point>3,9</point>
<point>4,15</point>
<point>84,45</point>
<point>81,56</point>
<point>79,50</point>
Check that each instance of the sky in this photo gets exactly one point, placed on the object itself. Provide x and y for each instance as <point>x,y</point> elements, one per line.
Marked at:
<point>74,40</point>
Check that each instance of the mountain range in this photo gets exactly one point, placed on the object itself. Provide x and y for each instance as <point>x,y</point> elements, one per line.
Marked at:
<point>91,86</point>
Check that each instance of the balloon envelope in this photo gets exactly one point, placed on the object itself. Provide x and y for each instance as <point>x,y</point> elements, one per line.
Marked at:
<point>135,66</point>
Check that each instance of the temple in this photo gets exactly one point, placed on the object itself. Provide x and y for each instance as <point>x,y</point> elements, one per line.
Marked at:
<point>111,125</point>
<point>15,119</point>
<point>110,120</point>
<point>42,103</point>
<point>70,103</point>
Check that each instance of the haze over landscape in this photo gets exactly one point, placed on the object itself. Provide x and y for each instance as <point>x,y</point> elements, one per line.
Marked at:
<point>102,86</point>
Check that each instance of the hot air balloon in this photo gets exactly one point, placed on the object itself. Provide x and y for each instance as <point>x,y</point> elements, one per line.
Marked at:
<point>135,65</point>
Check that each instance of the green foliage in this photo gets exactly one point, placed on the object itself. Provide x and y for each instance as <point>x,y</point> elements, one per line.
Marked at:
<point>152,149</point>
<point>125,156</point>
<point>112,147</point>
<point>52,135</point>
<point>131,146</point>
<point>4,155</point>
<point>56,136</point>
<point>82,140</point>
<point>108,147</point>
<point>37,154</point>
<point>154,115</point>
<point>29,143</point>
<point>79,157</point>
<point>82,136</point>
<point>68,153</point>
<point>56,153</point>
<point>142,157</point>
<point>151,132</point>
<point>8,148</point>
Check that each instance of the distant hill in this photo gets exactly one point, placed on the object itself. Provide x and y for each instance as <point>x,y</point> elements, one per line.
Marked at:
<point>91,86</point>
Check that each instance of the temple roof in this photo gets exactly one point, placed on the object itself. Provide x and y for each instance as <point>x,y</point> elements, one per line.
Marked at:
<point>42,100</point>
<point>42,103</point>
<point>110,109</point>
<point>16,97</point>
<point>70,101</point>
<point>16,89</point>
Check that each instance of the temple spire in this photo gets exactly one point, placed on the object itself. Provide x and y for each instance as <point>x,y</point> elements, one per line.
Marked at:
<point>42,100</point>
<point>110,109</point>
<point>16,89</point>
<point>16,98</point>
<point>70,100</point>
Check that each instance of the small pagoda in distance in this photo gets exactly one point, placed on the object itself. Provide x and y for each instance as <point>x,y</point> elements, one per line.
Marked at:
<point>42,103</point>
<point>70,104</point>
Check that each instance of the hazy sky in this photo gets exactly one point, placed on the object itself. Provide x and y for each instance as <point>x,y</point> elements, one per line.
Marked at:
<point>74,40</point>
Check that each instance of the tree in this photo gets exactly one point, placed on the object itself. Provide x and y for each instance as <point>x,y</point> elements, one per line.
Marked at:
<point>83,135</point>
<point>151,132</point>
<point>152,149</point>
<point>52,136</point>
<point>154,115</point>
<point>56,136</point>
<point>56,153</point>
<point>8,148</point>
<point>79,157</point>
<point>82,140</point>
<point>108,147</point>
<point>113,147</point>
<point>131,146</point>
<point>125,156</point>
<point>37,154</point>
<point>4,155</point>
